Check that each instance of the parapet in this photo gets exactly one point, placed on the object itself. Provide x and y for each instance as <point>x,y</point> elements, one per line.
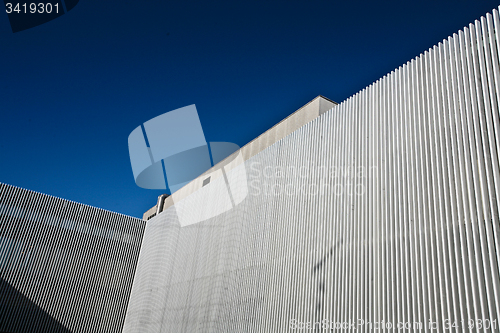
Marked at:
<point>293,122</point>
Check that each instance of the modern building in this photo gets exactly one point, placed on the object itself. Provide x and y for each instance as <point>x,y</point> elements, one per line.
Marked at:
<point>380,213</point>
<point>64,266</point>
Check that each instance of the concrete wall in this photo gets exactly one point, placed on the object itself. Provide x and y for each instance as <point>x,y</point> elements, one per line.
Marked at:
<point>64,266</point>
<point>384,209</point>
<point>150,213</point>
<point>302,116</point>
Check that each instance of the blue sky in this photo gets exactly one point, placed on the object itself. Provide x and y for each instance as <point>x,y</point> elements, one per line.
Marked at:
<point>73,89</point>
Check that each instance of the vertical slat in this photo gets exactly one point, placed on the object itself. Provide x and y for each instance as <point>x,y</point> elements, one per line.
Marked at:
<point>49,279</point>
<point>419,245</point>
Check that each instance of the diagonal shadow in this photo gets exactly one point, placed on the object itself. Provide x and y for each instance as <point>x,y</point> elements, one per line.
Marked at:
<point>18,314</point>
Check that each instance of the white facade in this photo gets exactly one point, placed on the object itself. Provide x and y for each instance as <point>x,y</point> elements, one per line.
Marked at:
<point>384,208</point>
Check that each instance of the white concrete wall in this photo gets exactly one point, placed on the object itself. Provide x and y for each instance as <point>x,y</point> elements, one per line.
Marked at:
<point>411,237</point>
<point>299,118</point>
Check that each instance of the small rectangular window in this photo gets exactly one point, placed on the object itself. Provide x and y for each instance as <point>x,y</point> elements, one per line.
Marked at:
<point>206,181</point>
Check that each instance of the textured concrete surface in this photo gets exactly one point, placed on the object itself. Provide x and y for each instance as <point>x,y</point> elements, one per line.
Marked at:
<point>64,266</point>
<point>384,209</point>
<point>299,118</point>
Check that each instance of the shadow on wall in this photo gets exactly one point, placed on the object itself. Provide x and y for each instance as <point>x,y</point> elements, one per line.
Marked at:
<point>18,314</point>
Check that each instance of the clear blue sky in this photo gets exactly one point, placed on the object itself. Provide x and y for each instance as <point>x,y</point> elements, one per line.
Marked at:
<point>73,89</point>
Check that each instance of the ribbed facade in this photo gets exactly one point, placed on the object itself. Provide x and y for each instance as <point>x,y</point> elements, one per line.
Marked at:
<point>384,209</point>
<point>64,266</point>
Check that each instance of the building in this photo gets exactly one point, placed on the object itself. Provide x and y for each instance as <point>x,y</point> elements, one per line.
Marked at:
<point>64,266</point>
<point>379,214</point>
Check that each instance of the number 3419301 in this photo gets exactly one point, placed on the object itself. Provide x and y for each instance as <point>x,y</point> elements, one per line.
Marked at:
<point>31,8</point>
